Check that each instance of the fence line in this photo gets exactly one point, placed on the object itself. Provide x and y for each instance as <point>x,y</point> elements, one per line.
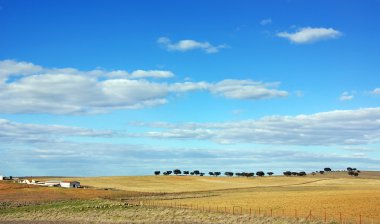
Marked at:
<point>310,215</point>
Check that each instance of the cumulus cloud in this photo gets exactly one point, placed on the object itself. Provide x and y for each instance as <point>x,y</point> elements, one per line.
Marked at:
<point>151,73</point>
<point>83,158</point>
<point>187,45</point>
<point>309,35</point>
<point>355,148</point>
<point>376,91</point>
<point>341,127</point>
<point>14,132</point>
<point>71,91</point>
<point>189,86</point>
<point>265,22</point>
<point>11,67</point>
<point>346,96</point>
<point>39,146</point>
<point>246,89</point>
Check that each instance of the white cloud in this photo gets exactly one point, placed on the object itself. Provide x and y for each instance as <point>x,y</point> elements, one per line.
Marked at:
<point>189,86</point>
<point>14,132</point>
<point>39,146</point>
<point>310,35</point>
<point>341,127</point>
<point>81,158</point>
<point>11,67</point>
<point>137,74</point>
<point>187,45</point>
<point>68,90</point>
<point>71,91</point>
<point>346,96</point>
<point>246,89</point>
<point>265,22</point>
<point>376,91</point>
<point>117,74</point>
<point>151,73</point>
<point>355,148</point>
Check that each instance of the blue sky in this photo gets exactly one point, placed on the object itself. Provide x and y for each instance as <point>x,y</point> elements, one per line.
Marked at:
<point>129,87</point>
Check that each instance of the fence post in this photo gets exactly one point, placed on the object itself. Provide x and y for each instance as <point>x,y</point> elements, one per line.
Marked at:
<point>340,217</point>
<point>325,217</point>
<point>271,213</point>
<point>250,212</point>
<point>360,219</point>
<point>259,211</point>
<point>295,213</point>
<point>310,215</point>
<point>225,209</point>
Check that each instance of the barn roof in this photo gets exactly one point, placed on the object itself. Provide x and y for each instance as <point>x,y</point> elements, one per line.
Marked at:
<point>70,181</point>
<point>52,181</point>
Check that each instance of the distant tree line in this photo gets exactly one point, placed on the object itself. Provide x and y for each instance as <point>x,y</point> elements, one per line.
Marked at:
<point>290,173</point>
<point>213,173</point>
<point>350,171</point>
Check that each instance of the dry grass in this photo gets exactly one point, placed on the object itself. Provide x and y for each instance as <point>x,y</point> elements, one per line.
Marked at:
<point>333,192</point>
<point>195,183</point>
<point>177,184</point>
<point>350,202</point>
<point>24,194</point>
<point>101,211</point>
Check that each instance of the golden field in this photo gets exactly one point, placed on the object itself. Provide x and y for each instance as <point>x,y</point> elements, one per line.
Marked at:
<point>14,193</point>
<point>180,184</point>
<point>334,196</point>
<point>333,193</point>
<point>25,204</point>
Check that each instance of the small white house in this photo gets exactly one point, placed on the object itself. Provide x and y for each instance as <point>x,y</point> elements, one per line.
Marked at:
<point>69,184</point>
<point>51,183</point>
<point>1,177</point>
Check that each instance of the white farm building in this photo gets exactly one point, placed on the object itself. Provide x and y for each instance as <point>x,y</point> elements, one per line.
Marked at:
<point>52,183</point>
<point>69,184</point>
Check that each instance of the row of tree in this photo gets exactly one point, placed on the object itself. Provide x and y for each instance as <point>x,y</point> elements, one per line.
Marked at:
<point>351,171</point>
<point>290,173</point>
<point>197,172</point>
<point>178,172</point>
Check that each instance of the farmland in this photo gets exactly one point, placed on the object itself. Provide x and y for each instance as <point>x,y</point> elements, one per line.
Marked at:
<point>215,199</point>
<point>332,193</point>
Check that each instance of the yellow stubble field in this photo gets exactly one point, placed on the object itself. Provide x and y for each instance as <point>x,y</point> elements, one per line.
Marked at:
<point>321,195</point>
